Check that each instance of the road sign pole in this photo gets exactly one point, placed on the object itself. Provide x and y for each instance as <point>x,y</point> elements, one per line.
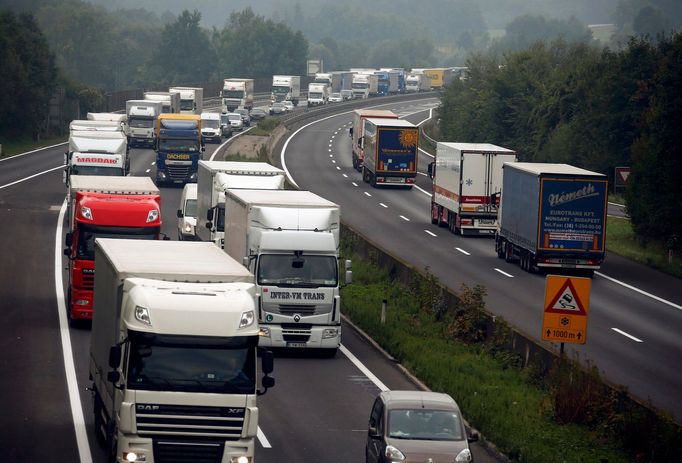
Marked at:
<point>561,350</point>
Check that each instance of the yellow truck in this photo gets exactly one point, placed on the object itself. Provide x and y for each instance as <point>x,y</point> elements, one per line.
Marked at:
<point>440,77</point>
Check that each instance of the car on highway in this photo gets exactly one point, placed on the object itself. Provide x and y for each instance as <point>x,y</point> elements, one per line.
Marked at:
<point>258,114</point>
<point>187,214</point>
<point>246,116</point>
<point>289,105</point>
<point>416,427</point>
<point>236,121</point>
<point>225,126</point>
<point>335,98</point>
<point>347,94</point>
<point>277,109</point>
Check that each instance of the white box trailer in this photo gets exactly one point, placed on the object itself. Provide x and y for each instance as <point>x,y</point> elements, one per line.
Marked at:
<point>191,99</point>
<point>214,178</point>
<point>170,101</point>
<point>173,352</point>
<point>96,141</point>
<point>237,93</point>
<point>289,239</point>
<point>465,178</point>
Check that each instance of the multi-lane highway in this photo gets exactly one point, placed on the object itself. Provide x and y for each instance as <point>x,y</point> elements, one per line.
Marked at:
<point>319,408</point>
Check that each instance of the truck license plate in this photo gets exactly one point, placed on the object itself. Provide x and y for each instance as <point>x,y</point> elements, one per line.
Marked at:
<point>486,221</point>
<point>296,344</point>
<point>395,180</point>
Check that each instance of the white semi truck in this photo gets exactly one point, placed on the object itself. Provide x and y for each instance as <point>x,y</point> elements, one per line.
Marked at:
<point>467,181</point>
<point>237,93</point>
<point>142,116</point>
<point>170,101</point>
<point>191,99</point>
<point>318,94</point>
<point>286,88</point>
<point>214,178</point>
<point>365,85</point>
<point>417,83</point>
<point>96,152</point>
<point>289,239</point>
<point>173,353</point>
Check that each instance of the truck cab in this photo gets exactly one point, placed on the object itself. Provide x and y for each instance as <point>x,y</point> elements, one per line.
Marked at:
<point>142,116</point>
<point>179,147</point>
<point>96,148</point>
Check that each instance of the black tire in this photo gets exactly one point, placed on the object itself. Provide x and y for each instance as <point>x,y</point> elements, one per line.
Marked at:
<point>508,252</point>
<point>372,180</point>
<point>365,174</point>
<point>436,220</point>
<point>355,162</point>
<point>499,248</point>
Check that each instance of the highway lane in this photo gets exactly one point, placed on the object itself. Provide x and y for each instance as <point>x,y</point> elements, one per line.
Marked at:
<point>649,369</point>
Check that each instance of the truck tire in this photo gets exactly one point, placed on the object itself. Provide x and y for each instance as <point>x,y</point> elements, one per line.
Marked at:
<point>365,174</point>
<point>355,162</point>
<point>372,180</point>
<point>509,252</point>
<point>435,214</point>
<point>499,248</point>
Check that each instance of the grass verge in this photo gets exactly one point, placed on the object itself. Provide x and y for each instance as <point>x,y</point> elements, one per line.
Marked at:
<point>13,148</point>
<point>266,126</point>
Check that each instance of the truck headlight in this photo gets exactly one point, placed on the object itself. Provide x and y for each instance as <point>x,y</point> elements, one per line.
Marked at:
<point>152,215</point>
<point>142,315</point>
<point>86,213</point>
<point>134,456</point>
<point>330,333</point>
<point>247,319</point>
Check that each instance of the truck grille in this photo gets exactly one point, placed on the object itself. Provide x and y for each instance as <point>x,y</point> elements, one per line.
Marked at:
<point>88,278</point>
<point>296,333</point>
<point>297,309</point>
<point>178,172</point>
<point>186,420</point>
<point>169,451</point>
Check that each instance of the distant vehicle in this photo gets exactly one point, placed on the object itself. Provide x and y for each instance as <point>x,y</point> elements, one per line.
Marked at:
<point>236,121</point>
<point>237,93</point>
<point>286,88</point>
<point>335,98</point>
<point>187,214</point>
<point>191,99</point>
<point>257,114</point>
<point>225,126</point>
<point>210,127</point>
<point>246,116</point>
<point>403,424</point>
<point>277,109</point>
<point>317,94</point>
<point>347,94</point>
<point>289,105</point>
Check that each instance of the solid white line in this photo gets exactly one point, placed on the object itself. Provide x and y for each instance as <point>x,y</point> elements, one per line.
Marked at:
<point>262,439</point>
<point>616,204</point>
<point>463,251</point>
<point>422,173</point>
<point>504,273</point>
<point>30,177</point>
<point>404,218</point>
<point>430,233</point>
<point>367,193</point>
<point>354,184</point>
<point>627,335</point>
<point>67,352</point>
<point>656,298</point>
<point>383,205</point>
<point>333,161</point>
<point>377,382</point>
<point>422,190</point>
<point>33,151</point>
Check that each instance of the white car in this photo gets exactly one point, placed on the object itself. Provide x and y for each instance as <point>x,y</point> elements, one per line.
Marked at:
<point>335,98</point>
<point>289,105</point>
<point>236,121</point>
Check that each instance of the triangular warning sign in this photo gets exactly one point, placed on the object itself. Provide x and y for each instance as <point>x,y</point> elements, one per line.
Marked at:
<point>624,174</point>
<point>566,301</point>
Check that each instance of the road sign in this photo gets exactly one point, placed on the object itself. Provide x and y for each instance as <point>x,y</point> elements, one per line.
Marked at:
<point>567,303</point>
<point>621,177</point>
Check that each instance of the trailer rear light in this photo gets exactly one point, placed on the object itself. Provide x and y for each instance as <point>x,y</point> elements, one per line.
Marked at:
<point>86,213</point>
<point>381,180</point>
<point>152,215</point>
<point>466,221</point>
<point>409,180</point>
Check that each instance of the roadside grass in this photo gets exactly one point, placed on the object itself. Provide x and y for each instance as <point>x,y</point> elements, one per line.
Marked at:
<point>260,156</point>
<point>616,198</point>
<point>621,240</point>
<point>12,148</point>
<point>498,398</point>
<point>266,126</point>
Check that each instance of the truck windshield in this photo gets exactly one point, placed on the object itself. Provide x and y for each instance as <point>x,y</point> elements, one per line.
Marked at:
<point>360,85</point>
<point>88,233</point>
<point>233,94</point>
<point>174,144</point>
<point>141,123</point>
<point>315,95</point>
<point>96,170</point>
<point>305,271</point>
<point>192,364</point>
<point>186,105</point>
<point>191,208</point>
<point>280,89</point>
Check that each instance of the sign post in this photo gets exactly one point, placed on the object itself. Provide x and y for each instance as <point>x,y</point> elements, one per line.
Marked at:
<point>621,176</point>
<point>567,303</point>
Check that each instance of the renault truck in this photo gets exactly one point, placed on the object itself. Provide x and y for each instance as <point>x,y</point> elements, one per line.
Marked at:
<point>178,148</point>
<point>191,99</point>
<point>467,181</point>
<point>215,177</point>
<point>115,207</point>
<point>391,149</point>
<point>289,240</point>
<point>357,131</point>
<point>142,116</point>
<point>173,354</point>
<point>237,93</point>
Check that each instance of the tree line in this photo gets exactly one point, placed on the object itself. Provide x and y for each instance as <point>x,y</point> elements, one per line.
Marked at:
<point>594,108</point>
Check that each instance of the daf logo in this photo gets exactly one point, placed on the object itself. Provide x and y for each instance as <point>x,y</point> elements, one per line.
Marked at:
<point>148,408</point>
<point>297,318</point>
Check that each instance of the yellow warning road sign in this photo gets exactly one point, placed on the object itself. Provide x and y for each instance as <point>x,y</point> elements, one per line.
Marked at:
<point>567,304</point>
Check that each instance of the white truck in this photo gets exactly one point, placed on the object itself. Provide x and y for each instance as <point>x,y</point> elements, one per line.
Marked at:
<point>94,152</point>
<point>142,116</point>
<point>95,126</point>
<point>467,181</point>
<point>417,83</point>
<point>173,353</point>
<point>286,88</point>
<point>191,99</point>
<point>318,94</point>
<point>214,178</point>
<point>289,239</point>
<point>237,93</point>
<point>365,85</point>
<point>170,101</point>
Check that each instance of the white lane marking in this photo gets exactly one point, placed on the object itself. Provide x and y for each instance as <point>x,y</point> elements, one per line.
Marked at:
<point>656,298</point>
<point>333,136</point>
<point>338,168</point>
<point>504,273</point>
<point>430,116</point>
<point>422,190</point>
<point>217,150</point>
<point>331,155</point>
<point>422,173</point>
<point>33,151</point>
<point>430,233</point>
<point>147,171</point>
<point>344,175</point>
<point>333,161</point>
<point>626,335</point>
<point>377,382</point>
<point>463,251</point>
<point>67,351</point>
<point>404,218</point>
<point>330,145</point>
<point>330,150</point>
<point>153,162</point>
<point>616,204</point>
<point>354,184</point>
<point>383,205</point>
<point>428,154</point>
<point>367,193</point>
<point>336,132</point>
<point>30,177</point>
<point>262,439</point>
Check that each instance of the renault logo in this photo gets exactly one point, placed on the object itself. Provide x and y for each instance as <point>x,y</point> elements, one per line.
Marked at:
<point>297,318</point>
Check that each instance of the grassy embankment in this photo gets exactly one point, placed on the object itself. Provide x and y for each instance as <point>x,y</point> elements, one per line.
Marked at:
<point>21,146</point>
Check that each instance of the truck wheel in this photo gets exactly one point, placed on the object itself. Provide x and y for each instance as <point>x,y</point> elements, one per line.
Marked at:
<point>355,163</point>
<point>508,252</point>
<point>372,180</point>
<point>365,174</point>
<point>435,214</point>
<point>499,248</point>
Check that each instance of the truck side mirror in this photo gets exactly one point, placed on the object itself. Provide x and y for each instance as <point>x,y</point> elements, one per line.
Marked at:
<point>494,198</point>
<point>246,261</point>
<point>267,362</point>
<point>431,170</point>
<point>115,356</point>
<point>113,376</point>
<point>349,272</point>
<point>179,213</point>
<point>209,215</point>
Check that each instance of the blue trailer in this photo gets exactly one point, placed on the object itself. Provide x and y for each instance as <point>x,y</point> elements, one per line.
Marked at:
<point>178,148</point>
<point>391,149</point>
<point>552,216</point>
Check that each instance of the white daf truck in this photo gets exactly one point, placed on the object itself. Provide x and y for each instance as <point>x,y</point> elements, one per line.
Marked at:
<point>214,178</point>
<point>289,239</point>
<point>173,356</point>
